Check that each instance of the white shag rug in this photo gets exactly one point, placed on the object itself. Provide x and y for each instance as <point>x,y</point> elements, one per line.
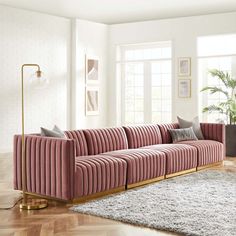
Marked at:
<point>201,203</point>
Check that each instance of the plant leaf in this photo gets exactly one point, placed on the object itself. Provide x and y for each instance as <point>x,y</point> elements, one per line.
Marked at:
<point>213,108</point>
<point>215,90</point>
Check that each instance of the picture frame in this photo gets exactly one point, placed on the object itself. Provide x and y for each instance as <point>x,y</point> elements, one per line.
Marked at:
<point>184,66</point>
<point>184,88</point>
<point>91,70</point>
<point>91,101</point>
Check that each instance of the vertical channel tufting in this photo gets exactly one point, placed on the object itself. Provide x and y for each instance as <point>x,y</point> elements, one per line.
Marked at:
<point>65,162</point>
<point>209,151</point>
<point>17,159</point>
<point>43,169</point>
<point>165,134</point>
<point>143,135</point>
<point>213,132</point>
<point>28,162</point>
<point>17,162</point>
<point>98,173</point>
<point>50,165</point>
<point>32,166</point>
<point>51,168</point>
<point>37,166</point>
<point>179,157</point>
<point>142,164</point>
<point>104,140</point>
<point>80,141</point>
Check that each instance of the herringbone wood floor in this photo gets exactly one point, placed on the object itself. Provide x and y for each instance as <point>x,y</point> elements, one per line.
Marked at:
<point>58,220</point>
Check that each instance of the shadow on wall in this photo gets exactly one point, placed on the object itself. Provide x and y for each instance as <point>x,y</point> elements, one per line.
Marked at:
<point>6,168</point>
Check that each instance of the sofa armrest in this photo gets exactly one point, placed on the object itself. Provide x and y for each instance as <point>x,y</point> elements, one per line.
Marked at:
<point>50,166</point>
<point>213,131</point>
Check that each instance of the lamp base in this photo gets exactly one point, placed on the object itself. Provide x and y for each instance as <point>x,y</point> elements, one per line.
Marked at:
<point>34,204</point>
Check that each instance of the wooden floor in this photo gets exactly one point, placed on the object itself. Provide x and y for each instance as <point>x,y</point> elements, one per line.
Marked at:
<point>58,220</point>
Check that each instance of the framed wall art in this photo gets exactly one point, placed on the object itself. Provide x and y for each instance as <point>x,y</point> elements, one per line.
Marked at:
<point>92,70</point>
<point>184,88</point>
<point>92,101</point>
<point>184,66</point>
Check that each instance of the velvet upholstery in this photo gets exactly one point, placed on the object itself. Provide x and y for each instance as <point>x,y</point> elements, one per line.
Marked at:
<point>209,151</point>
<point>80,141</point>
<point>96,160</point>
<point>143,135</point>
<point>165,134</point>
<point>213,131</point>
<point>142,164</point>
<point>105,140</point>
<point>98,173</point>
<point>179,157</point>
<point>50,166</point>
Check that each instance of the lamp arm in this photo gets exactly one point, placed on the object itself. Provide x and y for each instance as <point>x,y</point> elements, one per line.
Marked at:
<point>29,65</point>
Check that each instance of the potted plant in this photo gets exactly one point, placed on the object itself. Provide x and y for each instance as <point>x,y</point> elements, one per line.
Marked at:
<point>228,107</point>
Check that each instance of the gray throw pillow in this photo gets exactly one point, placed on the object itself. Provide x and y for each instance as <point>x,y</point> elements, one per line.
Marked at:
<point>56,132</point>
<point>178,135</point>
<point>194,123</point>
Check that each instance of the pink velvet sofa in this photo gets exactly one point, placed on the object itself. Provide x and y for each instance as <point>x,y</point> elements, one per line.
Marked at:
<point>99,161</point>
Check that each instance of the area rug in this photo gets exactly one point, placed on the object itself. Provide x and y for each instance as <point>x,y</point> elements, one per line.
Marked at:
<point>202,203</point>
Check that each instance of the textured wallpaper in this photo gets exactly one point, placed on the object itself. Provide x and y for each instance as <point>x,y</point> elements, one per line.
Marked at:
<point>28,37</point>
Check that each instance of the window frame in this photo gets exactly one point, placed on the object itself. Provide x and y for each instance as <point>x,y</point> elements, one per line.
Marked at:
<point>203,117</point>
<point>147,85</point>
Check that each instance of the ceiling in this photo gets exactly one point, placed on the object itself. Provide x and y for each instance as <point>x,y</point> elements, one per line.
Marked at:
<point>120,11</point>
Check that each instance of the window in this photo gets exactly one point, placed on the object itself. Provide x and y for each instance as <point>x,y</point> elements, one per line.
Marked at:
<point>145,72</point>
<point>214,52</point>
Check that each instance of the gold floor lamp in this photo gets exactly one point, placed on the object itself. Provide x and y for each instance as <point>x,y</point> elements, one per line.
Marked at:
<point>31,204</point>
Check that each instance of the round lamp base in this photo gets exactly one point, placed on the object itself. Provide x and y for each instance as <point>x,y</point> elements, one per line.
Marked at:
<point>34,204</point>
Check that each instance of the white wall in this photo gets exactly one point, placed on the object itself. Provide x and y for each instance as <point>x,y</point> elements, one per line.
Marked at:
<point>91,39</point>
<point>183,32</point>
<point>60,48</point>
<point>29,37</point>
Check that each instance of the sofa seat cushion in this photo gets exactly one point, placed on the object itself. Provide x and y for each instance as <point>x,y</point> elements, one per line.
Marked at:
<point>179,157</point>
<point>209,151</point>
<point>98,173</point>
<point>141,164</point>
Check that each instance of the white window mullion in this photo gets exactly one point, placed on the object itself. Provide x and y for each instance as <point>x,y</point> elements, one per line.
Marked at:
<point>233,66</point>
<point>137,65</point>
<point>122,71</point>
<point>147,93</point>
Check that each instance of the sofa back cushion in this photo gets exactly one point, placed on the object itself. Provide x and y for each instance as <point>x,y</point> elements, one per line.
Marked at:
<point>213,131</point>
<point>165,134</point>
<point>105,140</point>
<point>143,135</point>
<point>81,144</point>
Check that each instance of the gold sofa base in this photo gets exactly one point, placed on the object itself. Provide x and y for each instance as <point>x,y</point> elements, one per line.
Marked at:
<point>123,188</point>
<point>219,163</point>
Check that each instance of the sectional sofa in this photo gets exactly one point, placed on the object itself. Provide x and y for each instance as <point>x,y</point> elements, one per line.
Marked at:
<point>94,162</point>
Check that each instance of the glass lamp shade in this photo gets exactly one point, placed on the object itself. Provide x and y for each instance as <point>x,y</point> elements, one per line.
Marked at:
<point>38,80</point>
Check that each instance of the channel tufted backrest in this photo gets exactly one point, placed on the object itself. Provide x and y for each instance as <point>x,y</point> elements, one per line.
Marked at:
<point>143,135</point>
<point>81,144</point>
<point>213,131</point>
<point>105,140</point>
<point>165,134</point>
